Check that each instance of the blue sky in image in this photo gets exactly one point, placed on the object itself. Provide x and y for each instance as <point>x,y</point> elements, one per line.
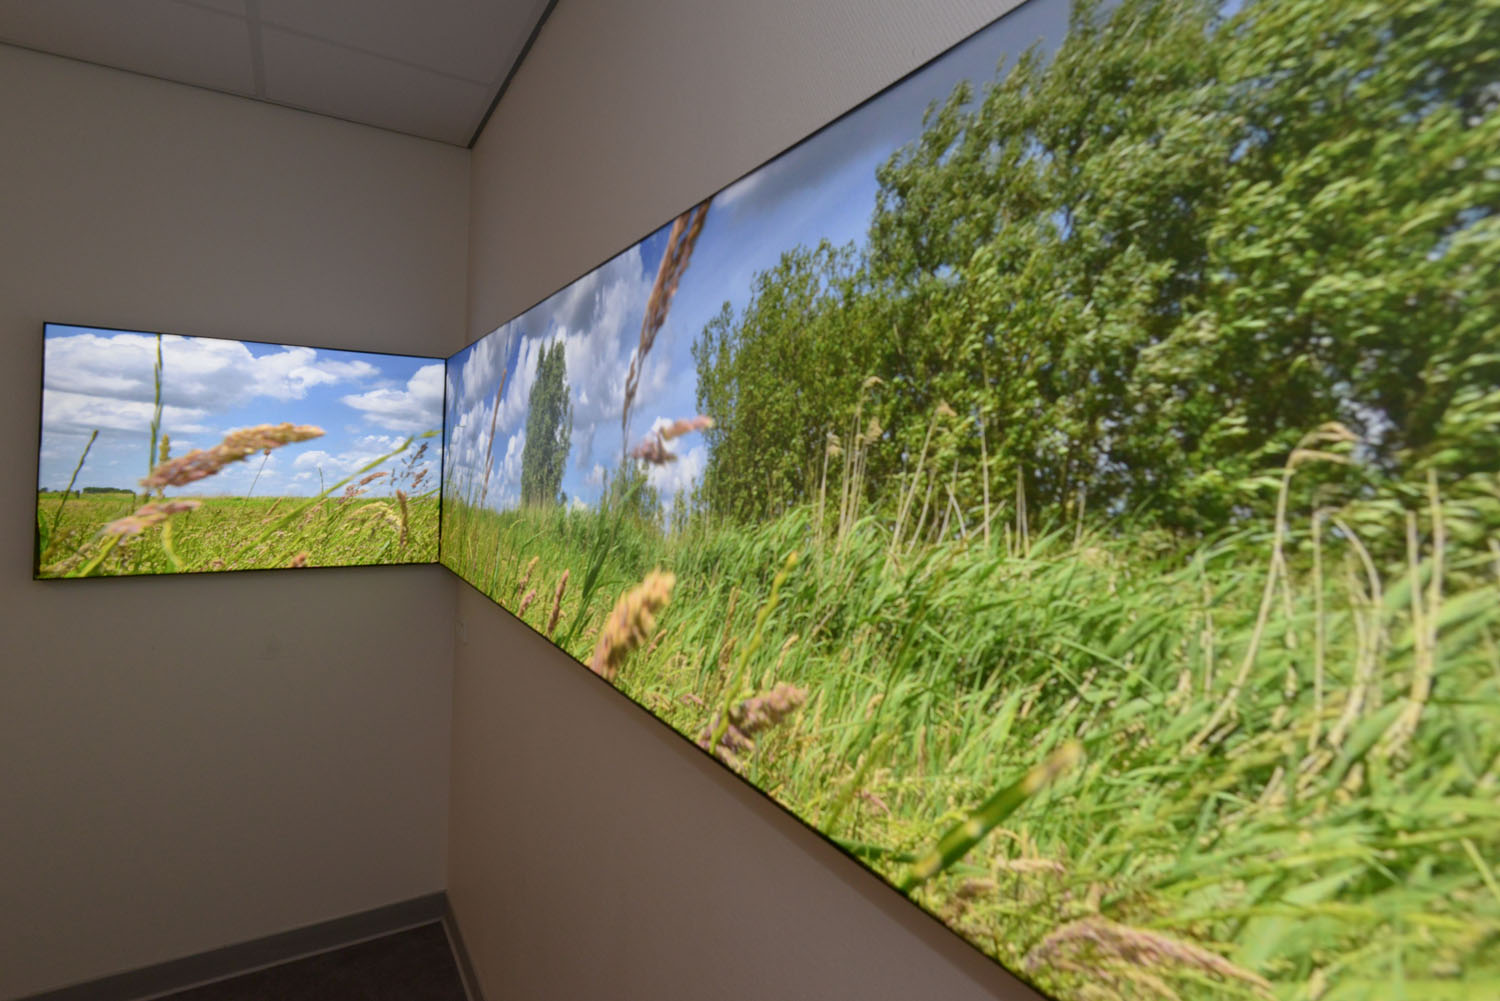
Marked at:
<point>824,188</point>
<point>367,404</point>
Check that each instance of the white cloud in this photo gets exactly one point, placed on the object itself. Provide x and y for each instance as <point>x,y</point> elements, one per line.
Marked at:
<point>505,480</point>
<point>65,412</point>
<point>315,459</point>
<point>479,376</point>
<point>677,476</point>
<point>739,189</point>
<point>597,319</point>
<point>468,432</point>
<point>198,372</point>
<point>596,476</point>
<point>599,344</point>
<point>418,407</point>
<point>673,477</point>
<point>336,466</point>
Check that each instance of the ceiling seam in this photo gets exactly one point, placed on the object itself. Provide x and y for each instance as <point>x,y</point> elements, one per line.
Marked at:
<point>237,94</point>
<point>408,63</point>
<point>514,67</point>
<point>257,48</point>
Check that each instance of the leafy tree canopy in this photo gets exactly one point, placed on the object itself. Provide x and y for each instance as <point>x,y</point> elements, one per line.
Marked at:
<point>1140,272</point>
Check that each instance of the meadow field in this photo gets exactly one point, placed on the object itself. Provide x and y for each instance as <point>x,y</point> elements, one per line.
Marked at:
<point>1087,514</point>
<point>233,533</point>
<point>1275,757</point>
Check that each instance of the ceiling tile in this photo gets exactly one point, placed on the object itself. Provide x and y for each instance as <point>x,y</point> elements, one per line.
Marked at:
<point>308,73</point>
<point>161,38</point>
<point>476,40</point>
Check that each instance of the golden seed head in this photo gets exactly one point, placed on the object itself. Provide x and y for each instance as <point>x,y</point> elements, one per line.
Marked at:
<point>748,718</point>
<point>557,599</point>
<point>526,574</point>
<point>631,621</point>
<point>147,515</point>
<point>237,445</point>
<point>685,425</point>
<point>1099,938</point>
<point>652,450</point>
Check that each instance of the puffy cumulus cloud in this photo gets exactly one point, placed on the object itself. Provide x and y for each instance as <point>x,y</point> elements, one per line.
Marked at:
<point>464,431</point>
<point>199,372</point>
<point>599,351</point>
<point>597,319</point>
<point>468,444</point>
<point>65,412</point>
<point>675,477</point>
<point>317,458</point>
<point>479,372</point>
<point>473,379</point>
<point>505,476</point>
<point>417,407</point>
<point>337,465</point>
<point>595,477</point>
<point>740,190</point>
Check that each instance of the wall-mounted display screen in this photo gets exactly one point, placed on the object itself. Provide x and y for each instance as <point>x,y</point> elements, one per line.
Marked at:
<point>170,454</point>
<point>1070,488</point>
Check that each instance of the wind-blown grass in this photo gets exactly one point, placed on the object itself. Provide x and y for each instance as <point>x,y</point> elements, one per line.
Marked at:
<point>114,533</point>
<point>1279,747</point>
<point>213,537</point>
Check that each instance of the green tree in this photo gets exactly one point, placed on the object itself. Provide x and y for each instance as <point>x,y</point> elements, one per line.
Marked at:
<point>1142,270</point>
<point>549,430</point>
<point>777,378</point>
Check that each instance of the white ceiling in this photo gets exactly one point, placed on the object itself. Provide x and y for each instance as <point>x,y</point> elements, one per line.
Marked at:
<point>429,68</point>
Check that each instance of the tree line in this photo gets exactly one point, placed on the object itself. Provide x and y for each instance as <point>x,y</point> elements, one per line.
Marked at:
<point>1131,277</point>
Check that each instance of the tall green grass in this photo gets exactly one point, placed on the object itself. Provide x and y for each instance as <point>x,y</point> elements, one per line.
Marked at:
<point>1281,745</point>
<point>234,533</point>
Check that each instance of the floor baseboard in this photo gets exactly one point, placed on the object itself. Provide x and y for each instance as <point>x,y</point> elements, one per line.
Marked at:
<point>461,953</point>
<point>232,960</point>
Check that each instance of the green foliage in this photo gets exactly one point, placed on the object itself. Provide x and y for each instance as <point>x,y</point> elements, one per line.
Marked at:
<point>1139,272</point>
<point>778,378</point>
<point>549,429</point>
<point>629,492</point>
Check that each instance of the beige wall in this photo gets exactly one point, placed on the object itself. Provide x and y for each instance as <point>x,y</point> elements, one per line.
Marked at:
<point>593,852</point>
<point>188,763</point>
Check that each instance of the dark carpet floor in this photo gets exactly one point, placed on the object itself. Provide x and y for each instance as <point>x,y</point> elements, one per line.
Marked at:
<point>413,965</point>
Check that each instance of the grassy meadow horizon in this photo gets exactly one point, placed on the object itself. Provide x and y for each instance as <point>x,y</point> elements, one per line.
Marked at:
<point>1068,483</point>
